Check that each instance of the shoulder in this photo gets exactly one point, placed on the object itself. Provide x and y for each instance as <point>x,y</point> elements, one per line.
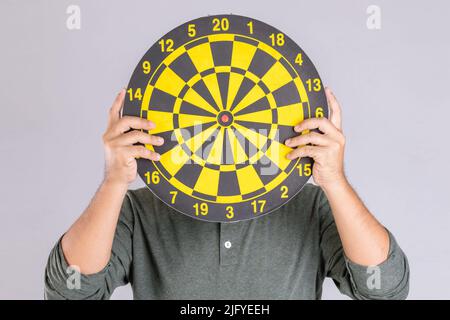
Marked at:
<point>310,189</point>
<point>310,202</point>
<point>141,194</point>
<point>310,193</point>
<point>148,207</point>
<point>140,199</point>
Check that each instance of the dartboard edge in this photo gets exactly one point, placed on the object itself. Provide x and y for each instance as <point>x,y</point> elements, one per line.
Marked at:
<point>225,92</point>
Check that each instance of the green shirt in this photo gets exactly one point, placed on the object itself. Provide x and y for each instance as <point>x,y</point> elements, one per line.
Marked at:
<point>283,255</point>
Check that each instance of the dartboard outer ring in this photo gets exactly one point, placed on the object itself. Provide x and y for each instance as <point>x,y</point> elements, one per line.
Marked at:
<point>205,187</point>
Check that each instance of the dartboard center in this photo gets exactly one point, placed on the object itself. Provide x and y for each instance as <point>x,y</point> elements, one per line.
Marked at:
<point>225,118</point>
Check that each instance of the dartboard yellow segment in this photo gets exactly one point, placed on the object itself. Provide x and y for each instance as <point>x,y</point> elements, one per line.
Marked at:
<point>201,57</point>
<point>276,181</point>
<point>150,147</point>
<point>273,131</point>
<point>146,100</point>
<point>180,186</point>
<point>174,55</point>
<point>264,116</point>
<point>170,82</point>
<point>222,69</point>
<point>256,138</point>
<point>178,134</point>
<point>239,154</point>
<point>252,76</point>
<point>197,100</point>
<point>258,155</point>
<point>221,37</point>
<point>197,141</point>
<point>242,55</point>
<point>164,121</point>
<point>276,77</point>
<point>189,120</point>
<point>277,153</point>
<point>196,78</point>
<point>213,86</point>
<point>253,95</point>
<point>301,89</point>
<point>234,84</point>
<point>208,182</point>
<point>270,50</point>
<point>198,159</point>
<point>290,115</point>
<point>228,199</point>
<point>227,167</point>
<point>249,180</point>
<point>215,154</point>
<point>174,159</point>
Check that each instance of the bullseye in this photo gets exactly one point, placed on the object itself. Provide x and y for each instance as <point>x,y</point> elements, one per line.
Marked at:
<point>225,118</point>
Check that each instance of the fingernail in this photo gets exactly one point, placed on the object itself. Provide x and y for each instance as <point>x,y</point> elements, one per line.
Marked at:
<point>297,129</point>
<point>160,140</point>
<point>157,156</point>
<point>288,142</point>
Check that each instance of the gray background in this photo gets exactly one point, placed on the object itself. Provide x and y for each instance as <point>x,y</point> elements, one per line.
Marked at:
<point>56,86</point>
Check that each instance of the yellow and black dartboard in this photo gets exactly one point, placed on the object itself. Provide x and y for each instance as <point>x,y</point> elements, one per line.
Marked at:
<point>225,92</point>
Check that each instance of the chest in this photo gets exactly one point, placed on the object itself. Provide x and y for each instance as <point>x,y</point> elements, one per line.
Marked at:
<point>259,259</point>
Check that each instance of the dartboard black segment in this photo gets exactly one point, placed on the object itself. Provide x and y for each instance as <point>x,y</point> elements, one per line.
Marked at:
<point>225,93</point>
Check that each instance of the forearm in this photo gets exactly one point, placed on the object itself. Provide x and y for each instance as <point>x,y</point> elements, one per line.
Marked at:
<point>364,239</point>
<point>101,239</point>
<point>88,242</point>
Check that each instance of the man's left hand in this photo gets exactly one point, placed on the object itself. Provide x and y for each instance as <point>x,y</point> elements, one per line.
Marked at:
<point>326,148</point>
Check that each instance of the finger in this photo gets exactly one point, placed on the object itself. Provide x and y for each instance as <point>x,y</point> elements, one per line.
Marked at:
<point>142,152</point>
<point>306,151</point>
<point>312,137</point>
<point>335,108</point>
<point>128,122</point>
<point>323,124</point>
<point>136,136</point>
<point>114,111</point>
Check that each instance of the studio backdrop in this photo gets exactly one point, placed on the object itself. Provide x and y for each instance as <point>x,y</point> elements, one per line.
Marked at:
<point>62,63</point>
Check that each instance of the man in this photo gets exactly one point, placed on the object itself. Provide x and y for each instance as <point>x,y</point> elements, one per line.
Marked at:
<point>132,237</point>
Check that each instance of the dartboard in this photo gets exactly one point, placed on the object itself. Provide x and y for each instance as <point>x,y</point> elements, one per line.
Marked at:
<point>225,92</point>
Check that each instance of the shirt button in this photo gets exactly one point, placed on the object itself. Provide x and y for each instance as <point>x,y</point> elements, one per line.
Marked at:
<point>227,244</point>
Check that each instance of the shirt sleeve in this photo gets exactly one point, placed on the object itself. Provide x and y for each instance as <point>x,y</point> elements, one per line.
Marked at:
<point>388,280</point>
<point>64,282</point>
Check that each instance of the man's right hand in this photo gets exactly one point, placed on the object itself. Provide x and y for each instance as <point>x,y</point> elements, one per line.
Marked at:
<point>120,151</point>
<point>88,242</point>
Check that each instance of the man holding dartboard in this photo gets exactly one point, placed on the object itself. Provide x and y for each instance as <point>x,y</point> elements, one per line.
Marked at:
<point>225,119</point>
